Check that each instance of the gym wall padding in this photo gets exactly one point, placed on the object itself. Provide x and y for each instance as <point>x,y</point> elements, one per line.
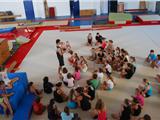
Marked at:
<point>74,8</point>
<point>29,10</point>
<point>112,5</point>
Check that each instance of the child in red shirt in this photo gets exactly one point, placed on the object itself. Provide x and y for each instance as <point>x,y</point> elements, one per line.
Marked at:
<point>38,107</point>
<point>104,44</point>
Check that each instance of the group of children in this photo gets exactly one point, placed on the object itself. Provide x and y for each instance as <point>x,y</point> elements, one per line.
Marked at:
<point>78,62</point>
<point>111,58</point>
<point>132,108</point>
<point>116,59</point>
<point>81,97</point>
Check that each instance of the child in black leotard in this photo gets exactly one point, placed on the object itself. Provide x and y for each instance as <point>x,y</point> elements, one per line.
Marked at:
<point>59,53</point>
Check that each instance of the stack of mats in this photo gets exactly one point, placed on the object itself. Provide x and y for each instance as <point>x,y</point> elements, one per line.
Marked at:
<point>120,18</point>
<point>7,30</point>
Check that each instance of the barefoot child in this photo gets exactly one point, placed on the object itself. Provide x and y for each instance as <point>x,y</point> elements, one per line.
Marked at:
<point>77,73</point>
<point>89,38</point>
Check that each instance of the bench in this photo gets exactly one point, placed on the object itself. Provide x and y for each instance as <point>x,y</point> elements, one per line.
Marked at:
<point>88,12</point>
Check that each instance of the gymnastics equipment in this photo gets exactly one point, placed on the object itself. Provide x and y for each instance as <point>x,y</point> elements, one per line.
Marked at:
<point>21,101</point>
<point>120,18</point>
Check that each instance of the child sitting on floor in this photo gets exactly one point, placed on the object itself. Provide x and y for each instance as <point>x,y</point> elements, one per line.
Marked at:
<point>38,107</point>
<point>100,57</point>
<point>68,46</point>
<point>94,82</point>
<point>151,58</point>
<point>116,63</point>
<point>124,70</point>
<point>157,62</point>
<point>117,51</point>
<point>77,73</point>
<point>8,82</point>
<point>108,84</point>
<point>157,78</point>
<point>93,55</point>
<point>66,115</point>
<point>59,93</point>
<point>71,58</point>
<point>53,112</point>
<point>47,86</point>
<point>110,46</point>
<point>33,89</point>
<point>98,39</point>
<point>70,80</point>
<point>63,74</point>
<point>89,39</point>
<point>146,87</point>
<point>108,69</point>
<point>104,43</point>
<point>71,102</point>
<point>100,74</point>
<point>83,64</point>
<point>4,101</point>
<point>76,59</point>
<point>90,90</point>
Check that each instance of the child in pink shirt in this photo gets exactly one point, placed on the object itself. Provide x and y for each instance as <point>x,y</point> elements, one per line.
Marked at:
<point>77,73</point>
<point>139,96</point>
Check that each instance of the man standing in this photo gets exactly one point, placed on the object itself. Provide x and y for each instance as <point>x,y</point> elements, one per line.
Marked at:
<point>59,53</point>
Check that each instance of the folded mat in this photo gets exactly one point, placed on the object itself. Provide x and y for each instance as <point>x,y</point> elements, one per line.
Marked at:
<point>5,30</point>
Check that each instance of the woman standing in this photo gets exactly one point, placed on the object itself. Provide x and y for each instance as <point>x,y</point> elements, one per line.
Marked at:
<point>59,53</point>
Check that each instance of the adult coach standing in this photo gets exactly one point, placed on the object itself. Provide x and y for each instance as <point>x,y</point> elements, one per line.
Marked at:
<point>59,53</point>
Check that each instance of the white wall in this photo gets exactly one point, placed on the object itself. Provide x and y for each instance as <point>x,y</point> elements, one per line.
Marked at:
<point>90,4</point>
<point>152,5</point>
<point>62,7</point>
<point>134,4</point>
<point>104,6</point>
<point>16,6</point>
<point>38,8</point>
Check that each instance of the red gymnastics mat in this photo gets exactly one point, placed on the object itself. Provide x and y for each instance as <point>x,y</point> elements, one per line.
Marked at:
<point>148,19</point>
<point>25,48</point>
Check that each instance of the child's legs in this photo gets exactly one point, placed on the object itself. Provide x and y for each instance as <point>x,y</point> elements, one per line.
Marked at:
<point>147,59</point>
<point>14,80</point>
<point>5,100</point>
<point>153,64</point>
<point>59,69</point>
<point>123,73</point>
<point>3,106</point>
<point>102,87</point>
<point>115,116</point>
<point>10,84</point>
<point>134,117</point>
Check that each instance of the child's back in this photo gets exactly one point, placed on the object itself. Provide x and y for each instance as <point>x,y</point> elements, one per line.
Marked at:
<point>77,75</point>
<point>47,86</point>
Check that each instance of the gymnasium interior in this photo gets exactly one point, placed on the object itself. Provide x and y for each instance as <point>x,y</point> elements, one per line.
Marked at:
<point>29,30</point>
